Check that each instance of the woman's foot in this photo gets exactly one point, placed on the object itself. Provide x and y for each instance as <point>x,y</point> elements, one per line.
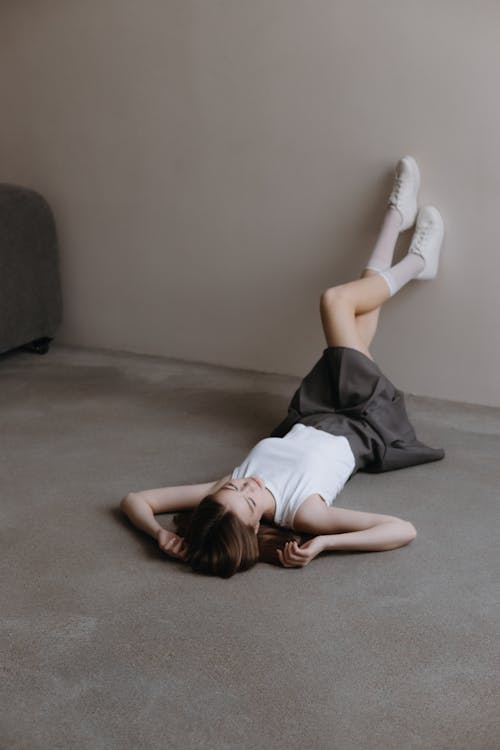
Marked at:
<point>427,240</point>
<point>405,191</point>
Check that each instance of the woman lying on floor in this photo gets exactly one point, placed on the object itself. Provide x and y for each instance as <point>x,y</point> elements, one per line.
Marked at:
<point>345,416</point>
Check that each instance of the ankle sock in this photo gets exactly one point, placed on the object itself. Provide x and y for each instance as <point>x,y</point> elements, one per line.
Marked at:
<point>401,273</point>
<point>382,253</point>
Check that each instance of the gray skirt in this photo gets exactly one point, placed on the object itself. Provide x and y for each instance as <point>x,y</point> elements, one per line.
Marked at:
<point>347,394</point>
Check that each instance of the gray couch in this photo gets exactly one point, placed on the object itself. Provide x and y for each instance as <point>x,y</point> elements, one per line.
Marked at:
<point>30,287</point>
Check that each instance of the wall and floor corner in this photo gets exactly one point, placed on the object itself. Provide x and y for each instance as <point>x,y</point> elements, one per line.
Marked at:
<point>212,166</point>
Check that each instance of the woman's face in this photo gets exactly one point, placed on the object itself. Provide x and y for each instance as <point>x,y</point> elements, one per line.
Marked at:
<point>247,497</point>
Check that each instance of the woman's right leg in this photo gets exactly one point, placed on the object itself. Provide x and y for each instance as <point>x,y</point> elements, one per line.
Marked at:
<point>367,323</point>
<point>380,259</point>
<point>341,306</point>
<point>349,312</point>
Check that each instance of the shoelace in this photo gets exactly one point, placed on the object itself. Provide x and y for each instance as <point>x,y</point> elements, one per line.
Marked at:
<point>398,183</point>
<point>418,238</point>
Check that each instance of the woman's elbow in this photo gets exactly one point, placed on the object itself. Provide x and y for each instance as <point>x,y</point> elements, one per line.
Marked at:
<point>402,534</point>
<point>412,532</point>
<point>125,501</point>
<point>413,529</point>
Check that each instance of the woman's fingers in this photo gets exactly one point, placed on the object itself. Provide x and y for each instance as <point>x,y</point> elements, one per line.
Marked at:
<point>282,558</point>
<point>174,547</point>
<point>297,551</point>
<point>300,556</point>
<point>293,549</point>
<point>177,547</point>
<point>291,556</point>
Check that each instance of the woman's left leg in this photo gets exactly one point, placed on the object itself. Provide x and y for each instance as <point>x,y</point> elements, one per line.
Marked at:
<point>340,307</point>
<point>358,324</point>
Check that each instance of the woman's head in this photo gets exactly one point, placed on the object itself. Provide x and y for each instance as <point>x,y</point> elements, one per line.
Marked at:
<point>247,497</point>
<point>219,541</point>
<point>224,535</point>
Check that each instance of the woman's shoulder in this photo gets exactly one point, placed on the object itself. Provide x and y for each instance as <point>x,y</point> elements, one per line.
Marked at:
<point>310,513</point>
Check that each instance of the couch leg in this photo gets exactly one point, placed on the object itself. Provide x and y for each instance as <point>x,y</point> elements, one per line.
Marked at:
<point>38,346</point>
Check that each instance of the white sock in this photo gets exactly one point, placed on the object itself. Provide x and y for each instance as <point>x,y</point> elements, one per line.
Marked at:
<point>403,272</point>
<point>381,256</point>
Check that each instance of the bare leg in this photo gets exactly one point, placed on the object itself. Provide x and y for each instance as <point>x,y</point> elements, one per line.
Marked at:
<point>356,322</point>
<point>367,322</point>
<point>340,307</point>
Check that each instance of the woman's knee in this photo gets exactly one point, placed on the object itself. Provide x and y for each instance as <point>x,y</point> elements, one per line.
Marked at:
<point>335,295</point>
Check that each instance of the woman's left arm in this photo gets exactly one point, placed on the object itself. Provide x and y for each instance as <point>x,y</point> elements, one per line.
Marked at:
<point>175,499</point>
<point>141,514</point>
<point>141,507</point>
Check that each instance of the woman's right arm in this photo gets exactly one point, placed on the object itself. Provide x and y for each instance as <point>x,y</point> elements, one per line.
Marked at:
<point>365,531</point>
<point>383,536</point>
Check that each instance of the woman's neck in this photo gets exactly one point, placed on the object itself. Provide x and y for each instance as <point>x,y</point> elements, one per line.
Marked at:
<point>270,508</point>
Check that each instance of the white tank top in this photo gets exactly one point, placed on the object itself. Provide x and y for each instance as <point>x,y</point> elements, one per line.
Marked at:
<point>304,462</point>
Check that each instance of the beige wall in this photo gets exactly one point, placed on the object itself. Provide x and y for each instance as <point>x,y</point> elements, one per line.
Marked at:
<point>214,165</point>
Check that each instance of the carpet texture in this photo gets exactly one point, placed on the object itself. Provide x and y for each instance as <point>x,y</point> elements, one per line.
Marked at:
<point>107,643</point>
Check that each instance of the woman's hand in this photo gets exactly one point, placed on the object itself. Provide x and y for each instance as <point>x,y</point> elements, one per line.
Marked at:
<point>172,544</point>
<point>293,556</point>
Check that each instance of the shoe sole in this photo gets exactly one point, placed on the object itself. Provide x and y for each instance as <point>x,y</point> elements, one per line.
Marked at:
<point>432,260</point>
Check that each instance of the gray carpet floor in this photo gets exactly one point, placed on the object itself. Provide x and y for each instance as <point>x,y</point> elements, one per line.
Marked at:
<point>107,643</point>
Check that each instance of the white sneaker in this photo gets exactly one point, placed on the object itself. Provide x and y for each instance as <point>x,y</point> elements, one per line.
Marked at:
<point>405,191</point>
<point>427,240</point>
